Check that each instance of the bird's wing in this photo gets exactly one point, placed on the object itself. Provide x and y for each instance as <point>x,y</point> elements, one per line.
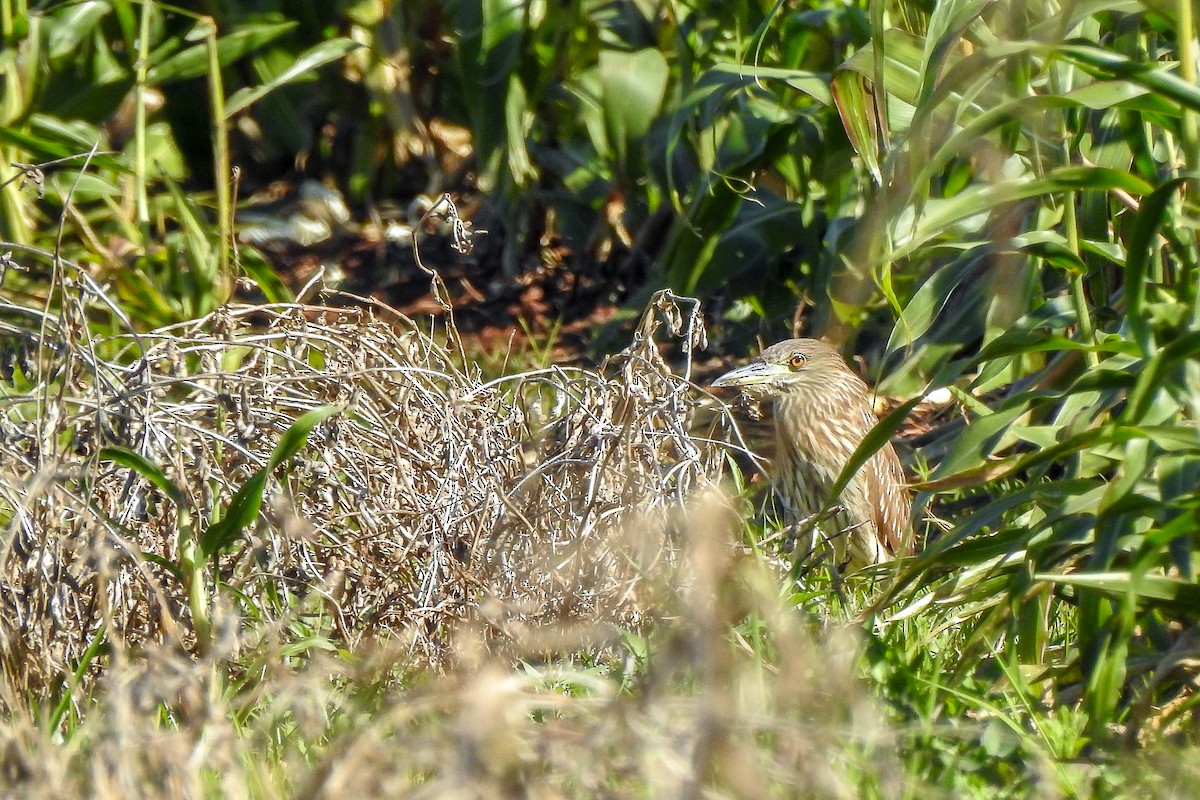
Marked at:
<point>889,500</point>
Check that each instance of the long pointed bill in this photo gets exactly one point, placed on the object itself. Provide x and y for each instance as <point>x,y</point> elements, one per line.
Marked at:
<point>753,374</point>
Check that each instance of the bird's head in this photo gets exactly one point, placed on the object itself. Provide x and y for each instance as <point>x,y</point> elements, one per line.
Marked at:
<point>793,365</point>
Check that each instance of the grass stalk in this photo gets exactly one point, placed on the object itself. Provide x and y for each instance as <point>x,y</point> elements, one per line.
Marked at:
<point>139,132</point>
<point>10,12</point>
<point>1189,127</point>
<point>1083,312</point>
<point>221,165</point>
<point>1079,300</point>
<point>192,564</point>
<point>1189,131</point>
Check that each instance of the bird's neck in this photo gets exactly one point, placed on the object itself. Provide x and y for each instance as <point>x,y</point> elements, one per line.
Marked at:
<point>833,415</point>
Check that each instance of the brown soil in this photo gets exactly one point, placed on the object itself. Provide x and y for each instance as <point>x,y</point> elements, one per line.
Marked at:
<point>553,299</point>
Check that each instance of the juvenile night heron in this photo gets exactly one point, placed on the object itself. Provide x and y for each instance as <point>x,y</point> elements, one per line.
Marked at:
<point>822,413</point>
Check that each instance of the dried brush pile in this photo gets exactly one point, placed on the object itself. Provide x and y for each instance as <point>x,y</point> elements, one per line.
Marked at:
<point>447,588</point>
<point>540,497</point>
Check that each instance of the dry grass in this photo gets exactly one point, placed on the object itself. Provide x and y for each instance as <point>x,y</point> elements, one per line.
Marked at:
<point>451,591</point>
<point>431,489</point>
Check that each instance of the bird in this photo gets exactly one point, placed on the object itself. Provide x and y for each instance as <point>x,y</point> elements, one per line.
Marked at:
<point>822,411</point>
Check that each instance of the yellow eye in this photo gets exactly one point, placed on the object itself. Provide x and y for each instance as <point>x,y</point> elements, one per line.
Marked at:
<point>797,360</point>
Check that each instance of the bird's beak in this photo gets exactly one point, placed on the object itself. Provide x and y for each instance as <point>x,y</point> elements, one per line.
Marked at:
<point>753,374</point>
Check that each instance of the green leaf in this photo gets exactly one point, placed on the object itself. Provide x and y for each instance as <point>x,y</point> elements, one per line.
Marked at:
<point>857,110</point>
<point>1182,594</point>
<point>516,122</point>
<point>1153,379</point>
<point>813,84</point>
<point>243,510</point>
<point>306,62</point>
<point>942,215</point>
<point>192,62</point>
<point>144,467</point>
<point>991,514</point>
<point>244,507</point>
<point>49,138</point>
<point>1150,74</point>
<point>948,296</point>
<point>1150,218</point>
<point>632,86</point>
<point>946,25</point>
<point>295,436</point>
<point>73,26</point>
<point>264,275</point>
<point>196,282</point>
<point>972,448</point>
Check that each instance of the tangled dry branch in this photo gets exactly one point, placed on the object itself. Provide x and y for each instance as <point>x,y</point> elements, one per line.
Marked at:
<point>549,494</point>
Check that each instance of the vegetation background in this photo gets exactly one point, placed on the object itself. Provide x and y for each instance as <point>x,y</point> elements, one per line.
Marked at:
<point>264,539</point>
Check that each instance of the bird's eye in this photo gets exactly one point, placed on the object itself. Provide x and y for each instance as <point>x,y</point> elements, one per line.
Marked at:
<point>797,360</point>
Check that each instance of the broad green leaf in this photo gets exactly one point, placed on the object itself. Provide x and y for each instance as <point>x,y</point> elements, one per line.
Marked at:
<point>516,122</point>
<point>264,275</point>
<point>241,514</point>
<point>632,87</point>
<point>947,295</point>
<point>489,52</point>
<point>1154,377</point>
<point>84,188</point>
<point>963,95</point>
<point>295,437</point>
<point>979,440</point>
<point>903,65</point>
<point>857,110</point>
<point>1016,342</point>
<point>38,149</point>
<point>946,25</point>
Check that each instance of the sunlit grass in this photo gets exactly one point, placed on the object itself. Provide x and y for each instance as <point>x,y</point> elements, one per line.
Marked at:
<point>479,576</point>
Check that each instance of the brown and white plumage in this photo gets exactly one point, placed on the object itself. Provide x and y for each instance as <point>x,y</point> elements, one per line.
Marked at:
<point>822,412</point>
